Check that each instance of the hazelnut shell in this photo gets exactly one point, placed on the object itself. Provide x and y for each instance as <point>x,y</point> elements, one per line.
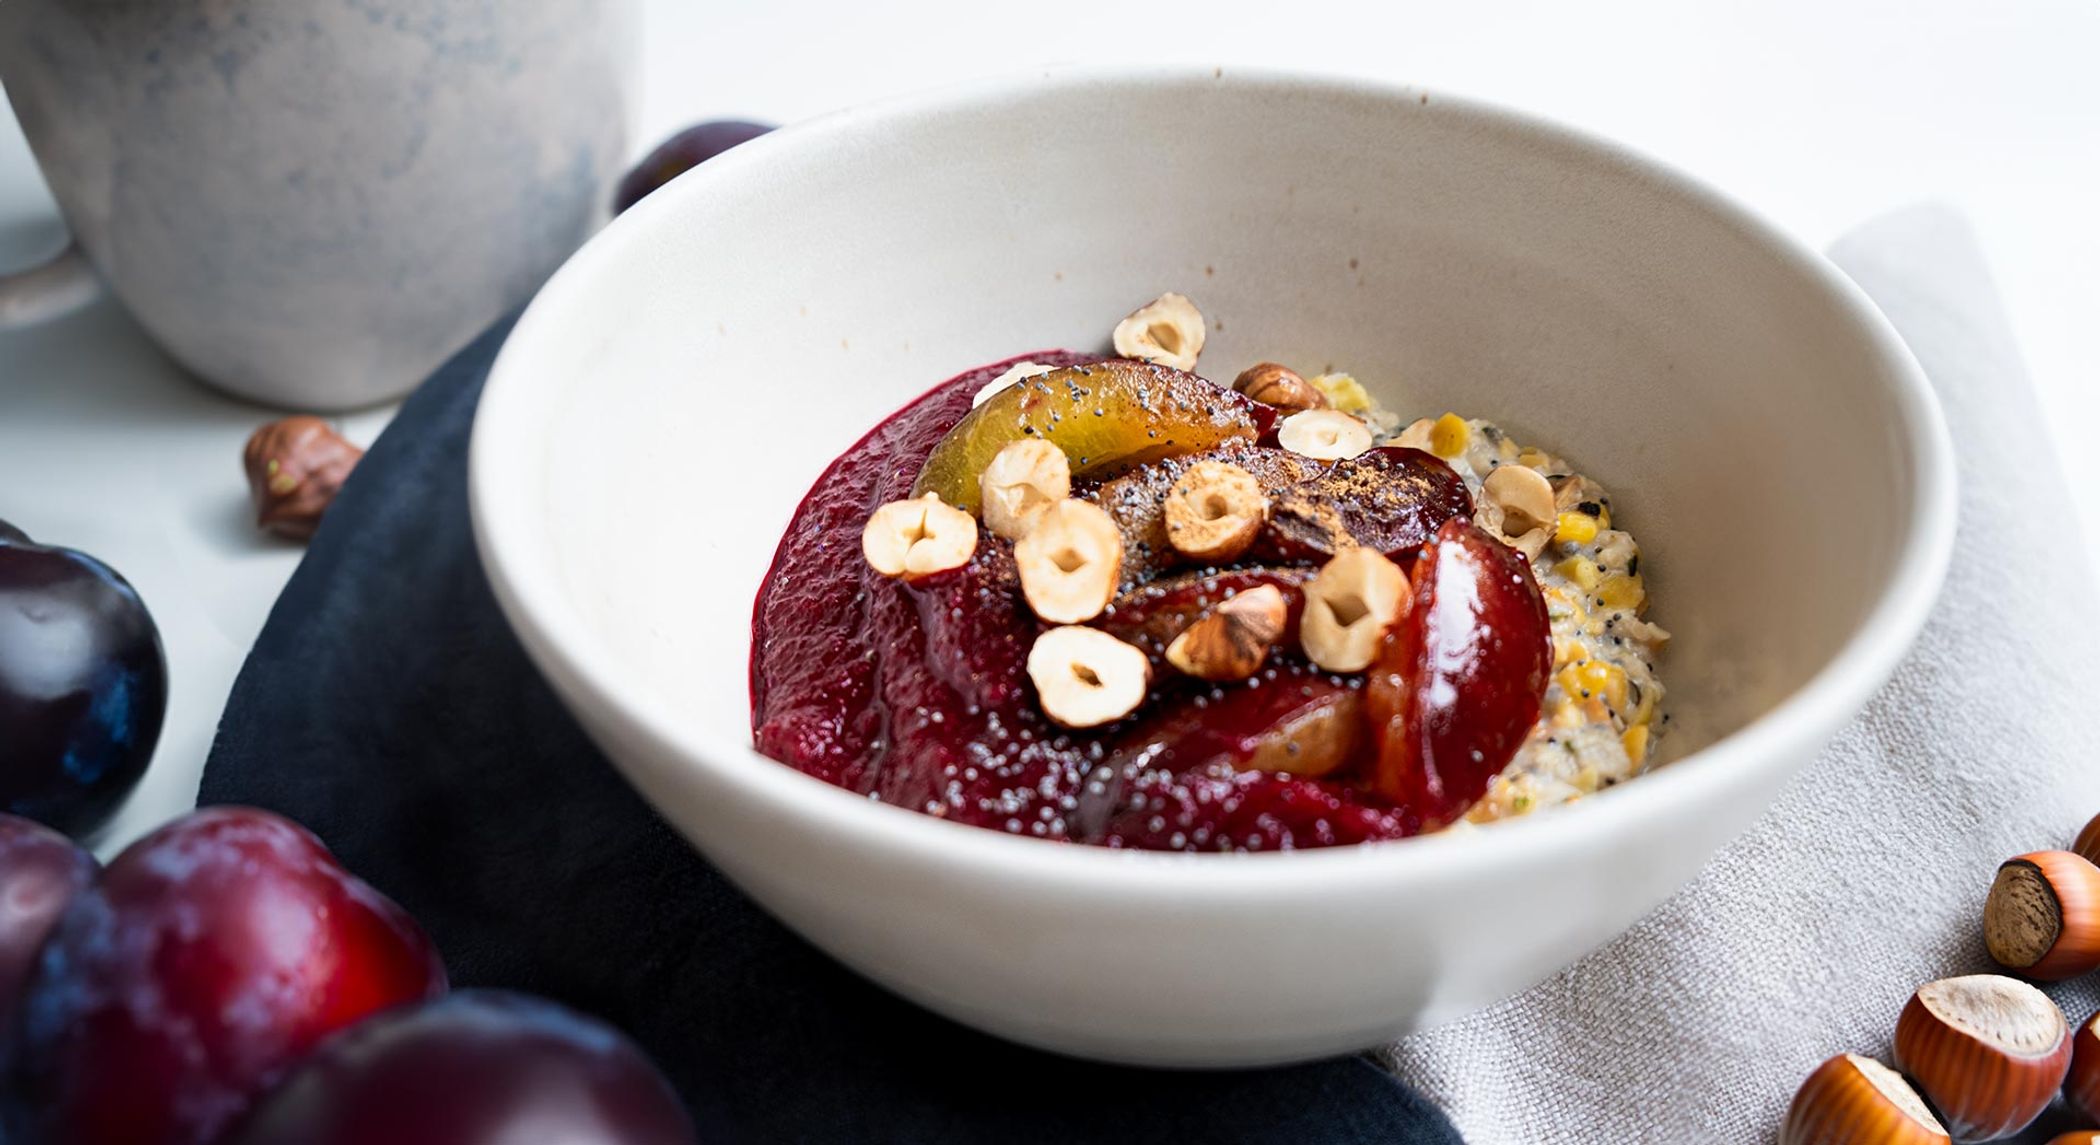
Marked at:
<point>1988,1051</point>
<point>2042,917</point>
<point>2082,1085</point>
<point>1851,1099</point>
<point>2088,843</point>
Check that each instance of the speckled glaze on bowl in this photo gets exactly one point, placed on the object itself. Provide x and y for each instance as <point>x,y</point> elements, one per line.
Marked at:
<point>671,394</point>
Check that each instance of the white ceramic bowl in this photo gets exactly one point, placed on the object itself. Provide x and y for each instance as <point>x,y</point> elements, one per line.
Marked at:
<point>672,393</point>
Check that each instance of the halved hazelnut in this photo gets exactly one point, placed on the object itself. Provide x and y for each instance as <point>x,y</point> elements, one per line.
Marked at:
<point>2082,1087</point>
<point>1234,640</point>
<point>1085,678</point>
<point>1852,1099</point>
<point>1524,496</point>
<point>1324,434</point>
<point>1281,387</point>
<point>1987,1051</point>
<point>918,537</point>
<point>1417,434</point>
<point>1348,606</point>
<point>1069,562</point>
<point>1013,373</point>
<point>1167,330</point>
<point>2042,918</point>
<point>1214,511</point>
<point>1019,486</point>
<point>2088,842</point>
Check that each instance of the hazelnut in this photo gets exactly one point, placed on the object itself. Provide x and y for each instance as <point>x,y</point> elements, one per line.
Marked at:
<point>2042,918</point>
<point>1324,434</point>
<point>295,466</point>
<point>2082,1088</point>
<point>918,538</point>
<point>1279,386</point>
<point>1214,511</point>
<point>1851,1099</point>
<point>2088,842</point>
<point>1085,678</point>
<point>1232,642</point>
<point>1524,496</point>
<point>1167,330</point>
<point>1013,373</point>
<point>1417,434</point>
<point>1987,1051</point>
<point>1019,486</point>
<point>1348,606</point>
<point>1069,562</point>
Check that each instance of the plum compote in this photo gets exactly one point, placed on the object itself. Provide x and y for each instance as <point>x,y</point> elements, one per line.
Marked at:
<point>1107,601</point>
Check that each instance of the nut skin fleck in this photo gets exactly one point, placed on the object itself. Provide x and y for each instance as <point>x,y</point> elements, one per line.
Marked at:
<point>1280,387</point>
<point>295,467</point>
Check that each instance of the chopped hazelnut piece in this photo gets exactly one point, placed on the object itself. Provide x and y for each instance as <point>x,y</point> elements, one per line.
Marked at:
<point>1281,387</point>
<point>1214,511</point>
<point>1014,373</point>
<point>1085,678</point>
<point>1021,484</point>
<point>1324,434</point>
<point>1524,496</point>
<point>1348,607</point>
<point>918,538</point>
<point>1416,435</point>
<point>1069,562</point>
<point>1167,330</point>
<point>1234,640</point>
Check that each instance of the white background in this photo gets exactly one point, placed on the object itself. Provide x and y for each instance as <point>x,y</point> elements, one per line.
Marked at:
<point>1817,114</point>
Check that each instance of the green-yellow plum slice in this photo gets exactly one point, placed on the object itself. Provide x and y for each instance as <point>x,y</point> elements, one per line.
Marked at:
<point>1107,416</point>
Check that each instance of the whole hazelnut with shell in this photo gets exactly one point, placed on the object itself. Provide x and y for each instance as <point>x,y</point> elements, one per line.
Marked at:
<point>295,467</point>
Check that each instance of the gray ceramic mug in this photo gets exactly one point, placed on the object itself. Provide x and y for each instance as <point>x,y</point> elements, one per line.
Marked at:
<point>313,205</point>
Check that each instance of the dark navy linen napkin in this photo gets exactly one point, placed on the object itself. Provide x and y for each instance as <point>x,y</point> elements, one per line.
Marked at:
<point>388,707</point>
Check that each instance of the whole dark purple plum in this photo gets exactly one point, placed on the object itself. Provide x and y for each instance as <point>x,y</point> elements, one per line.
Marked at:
<point>210,958</point>
<point>40,872</point>
<point>681,153</point>
<point>83,685</point>
<point>475,1068</point>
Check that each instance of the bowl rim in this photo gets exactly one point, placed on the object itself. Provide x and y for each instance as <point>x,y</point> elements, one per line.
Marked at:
<point>584,670</point>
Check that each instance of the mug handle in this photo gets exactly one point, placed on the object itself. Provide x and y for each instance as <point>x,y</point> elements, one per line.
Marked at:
<point>62,284</point>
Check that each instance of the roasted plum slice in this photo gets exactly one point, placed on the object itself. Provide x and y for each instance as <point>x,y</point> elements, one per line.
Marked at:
<point>1152,615</point>
<point>1292,718</point>
<point>1389,499</point>
<point>1459,679</point>
<point>1106,416</point>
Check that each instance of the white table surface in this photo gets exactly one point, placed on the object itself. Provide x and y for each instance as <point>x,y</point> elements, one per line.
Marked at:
<point>1819,114</point>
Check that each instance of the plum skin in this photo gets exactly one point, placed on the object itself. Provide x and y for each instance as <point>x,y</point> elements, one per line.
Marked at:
<point>681,153</point>
<point>473,1068</point>
<point>211,956</point>
<point>83,685</point>
<point>41,871</point>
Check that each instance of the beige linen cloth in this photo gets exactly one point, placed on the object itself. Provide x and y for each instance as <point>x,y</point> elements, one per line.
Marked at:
<point>1805,937</point>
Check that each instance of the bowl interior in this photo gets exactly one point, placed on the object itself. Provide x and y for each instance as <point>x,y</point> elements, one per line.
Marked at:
<point>678,388</point>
